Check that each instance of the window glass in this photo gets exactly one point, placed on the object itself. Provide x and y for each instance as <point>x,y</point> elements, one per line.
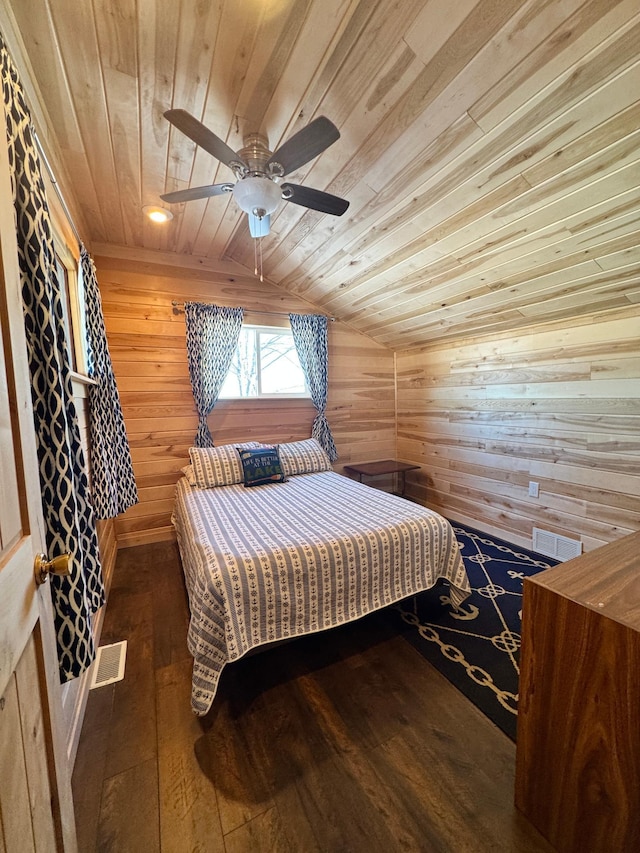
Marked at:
<point>265,364</point>
<point>242,378</point>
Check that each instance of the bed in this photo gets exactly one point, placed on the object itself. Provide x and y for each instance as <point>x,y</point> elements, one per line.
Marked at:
<point>296,555</point>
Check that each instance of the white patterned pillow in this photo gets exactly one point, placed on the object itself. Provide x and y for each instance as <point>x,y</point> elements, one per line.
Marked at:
<point>303,457</point>
<point>218,466</point>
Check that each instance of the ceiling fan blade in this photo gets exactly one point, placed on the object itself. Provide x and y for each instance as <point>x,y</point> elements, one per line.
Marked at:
<point>304,145</point>
<point>203,137</point>
<point>314,199</point>
<point>259,227</point>
<point>196,192</point>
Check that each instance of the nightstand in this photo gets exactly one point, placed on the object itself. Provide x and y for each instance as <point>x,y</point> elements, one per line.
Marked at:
<point>385,466</point>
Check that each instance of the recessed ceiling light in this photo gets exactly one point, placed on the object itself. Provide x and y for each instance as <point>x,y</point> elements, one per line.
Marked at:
<point>157,214</point>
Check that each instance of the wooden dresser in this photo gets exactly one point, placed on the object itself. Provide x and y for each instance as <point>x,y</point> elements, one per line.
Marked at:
<point>578,745</point>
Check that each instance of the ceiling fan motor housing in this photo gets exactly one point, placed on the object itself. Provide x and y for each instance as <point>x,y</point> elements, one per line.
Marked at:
<point>255,153</point>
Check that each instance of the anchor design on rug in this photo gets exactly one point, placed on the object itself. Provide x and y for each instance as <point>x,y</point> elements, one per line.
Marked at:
<point>460,613</point>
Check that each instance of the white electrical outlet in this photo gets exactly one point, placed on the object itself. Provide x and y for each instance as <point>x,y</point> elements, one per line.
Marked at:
<point>534,488</point>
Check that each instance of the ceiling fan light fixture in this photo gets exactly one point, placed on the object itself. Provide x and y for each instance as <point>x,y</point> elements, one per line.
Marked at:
<point>257,195</point>
<point>157,214</point>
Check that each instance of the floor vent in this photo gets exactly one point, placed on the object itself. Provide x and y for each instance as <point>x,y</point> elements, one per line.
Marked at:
<point>552,545</point>
<point>109,664</point>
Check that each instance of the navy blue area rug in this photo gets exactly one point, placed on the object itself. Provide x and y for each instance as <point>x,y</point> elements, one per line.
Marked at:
<point>477,648</point>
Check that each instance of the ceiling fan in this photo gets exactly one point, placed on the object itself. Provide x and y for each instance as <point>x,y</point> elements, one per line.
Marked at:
<point>259,171</point>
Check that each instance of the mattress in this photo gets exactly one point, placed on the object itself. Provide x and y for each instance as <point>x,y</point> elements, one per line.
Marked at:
<point>277,561</point>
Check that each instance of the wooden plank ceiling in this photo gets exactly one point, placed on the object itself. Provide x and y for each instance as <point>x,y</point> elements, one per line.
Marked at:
<point>489,148</point>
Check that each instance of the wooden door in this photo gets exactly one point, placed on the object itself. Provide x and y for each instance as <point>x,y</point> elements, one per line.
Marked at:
<point>36,809</point>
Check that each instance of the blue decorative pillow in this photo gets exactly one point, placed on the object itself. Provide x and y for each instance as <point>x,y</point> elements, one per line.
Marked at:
<point>261,465</point>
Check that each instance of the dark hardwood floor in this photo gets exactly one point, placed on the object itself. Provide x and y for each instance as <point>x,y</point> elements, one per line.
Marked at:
<point>343,741</point>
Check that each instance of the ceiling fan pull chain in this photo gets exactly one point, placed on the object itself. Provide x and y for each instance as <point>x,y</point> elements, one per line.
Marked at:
<point>257,257</point>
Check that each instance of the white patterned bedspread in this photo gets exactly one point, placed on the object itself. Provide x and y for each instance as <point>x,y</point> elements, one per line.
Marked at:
<point>286,559</point>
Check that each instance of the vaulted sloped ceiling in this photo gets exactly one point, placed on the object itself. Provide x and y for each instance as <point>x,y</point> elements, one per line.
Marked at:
<point>489,148</point>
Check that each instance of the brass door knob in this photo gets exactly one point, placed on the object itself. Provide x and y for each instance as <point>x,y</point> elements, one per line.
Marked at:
<point>42,567</point>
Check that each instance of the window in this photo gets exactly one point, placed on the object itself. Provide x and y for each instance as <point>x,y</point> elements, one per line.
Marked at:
<point>265,364</point>
<point>69,280</point>
<point>65,297</point>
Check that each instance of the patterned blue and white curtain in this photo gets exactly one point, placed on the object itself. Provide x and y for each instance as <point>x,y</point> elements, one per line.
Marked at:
<point>311,340</point>
<point>113,484</point>
<point>66,502</point>
<point>212,338</point>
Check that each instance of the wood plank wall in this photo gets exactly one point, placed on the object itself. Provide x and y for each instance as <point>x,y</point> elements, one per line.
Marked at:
<point>558,404</point>
<point>146,337</point>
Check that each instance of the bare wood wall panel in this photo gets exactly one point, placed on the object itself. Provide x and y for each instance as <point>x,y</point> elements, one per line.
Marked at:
<point>559,405</point>
<point>147,343</point>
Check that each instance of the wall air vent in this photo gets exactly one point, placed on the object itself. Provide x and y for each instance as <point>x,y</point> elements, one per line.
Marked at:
<point>552,545</point>
<point>109,664</point>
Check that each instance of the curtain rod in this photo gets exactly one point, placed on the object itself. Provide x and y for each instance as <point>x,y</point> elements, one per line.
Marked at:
<point>177,304</point>
<point>56,186</point>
